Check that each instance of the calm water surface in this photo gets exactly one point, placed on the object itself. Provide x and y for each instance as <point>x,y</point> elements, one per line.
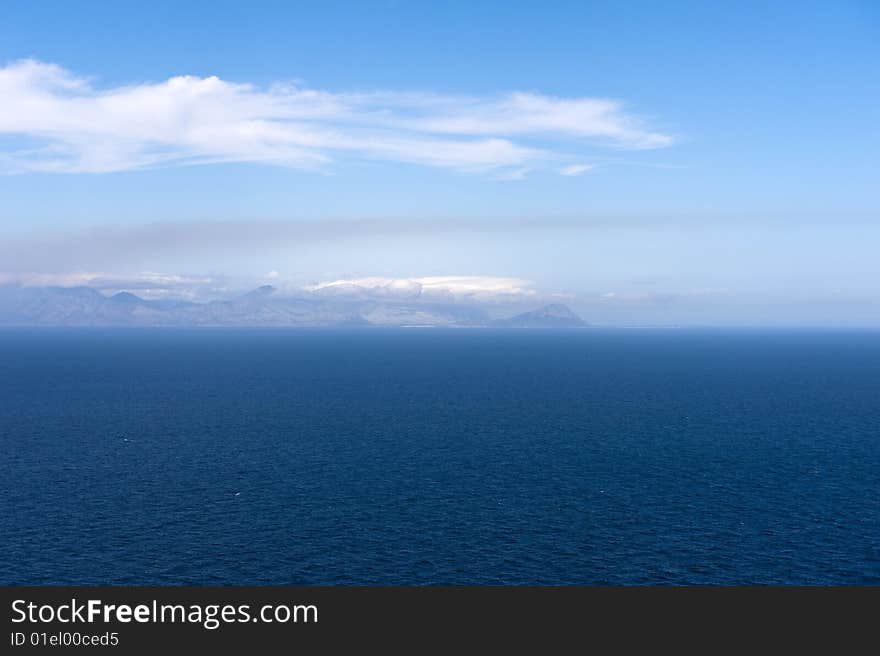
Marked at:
<point>470,456</point>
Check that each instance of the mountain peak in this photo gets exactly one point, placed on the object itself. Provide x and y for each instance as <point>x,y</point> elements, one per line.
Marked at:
<point>260,293</point>
<point>555,315</point>
<point>126,297</point>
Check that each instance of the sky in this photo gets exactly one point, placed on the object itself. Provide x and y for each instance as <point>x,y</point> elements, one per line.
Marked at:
<point>647,163</point>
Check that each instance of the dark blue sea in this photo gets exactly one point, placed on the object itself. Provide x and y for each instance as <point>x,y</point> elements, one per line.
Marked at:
<point>439,456</point>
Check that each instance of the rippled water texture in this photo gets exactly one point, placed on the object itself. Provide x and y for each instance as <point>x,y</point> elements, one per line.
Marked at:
<point>297,457</point>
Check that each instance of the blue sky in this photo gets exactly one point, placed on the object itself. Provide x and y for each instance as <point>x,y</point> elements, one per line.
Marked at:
<point>730,176</point>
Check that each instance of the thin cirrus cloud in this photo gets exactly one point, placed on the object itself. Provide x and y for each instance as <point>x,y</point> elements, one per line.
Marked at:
<point>575,170</point>
<point>60,122</point>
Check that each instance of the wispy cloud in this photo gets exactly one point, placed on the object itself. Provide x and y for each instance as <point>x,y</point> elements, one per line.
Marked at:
<point>40,279</point>
<point>147,284</point>
<point>512,175</point>
<point>62,122</point>
<point>575,170</point>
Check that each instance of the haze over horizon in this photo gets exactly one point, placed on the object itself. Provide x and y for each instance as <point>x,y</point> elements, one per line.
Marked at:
<point>500,156</point>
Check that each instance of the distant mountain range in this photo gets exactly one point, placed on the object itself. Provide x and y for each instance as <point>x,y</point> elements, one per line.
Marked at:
<point>85,306</point>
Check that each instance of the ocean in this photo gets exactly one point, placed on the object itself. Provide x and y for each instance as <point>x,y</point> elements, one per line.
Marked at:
<point>221,456</point>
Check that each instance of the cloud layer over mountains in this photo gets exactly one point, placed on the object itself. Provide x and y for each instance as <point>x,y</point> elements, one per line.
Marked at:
<point>331,305</point>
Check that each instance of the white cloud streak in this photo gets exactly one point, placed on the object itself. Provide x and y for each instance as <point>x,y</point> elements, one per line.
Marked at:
<point>147,284</point>
<point>575,170</point>
<point>477,288</point>
<point>56,121</point>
